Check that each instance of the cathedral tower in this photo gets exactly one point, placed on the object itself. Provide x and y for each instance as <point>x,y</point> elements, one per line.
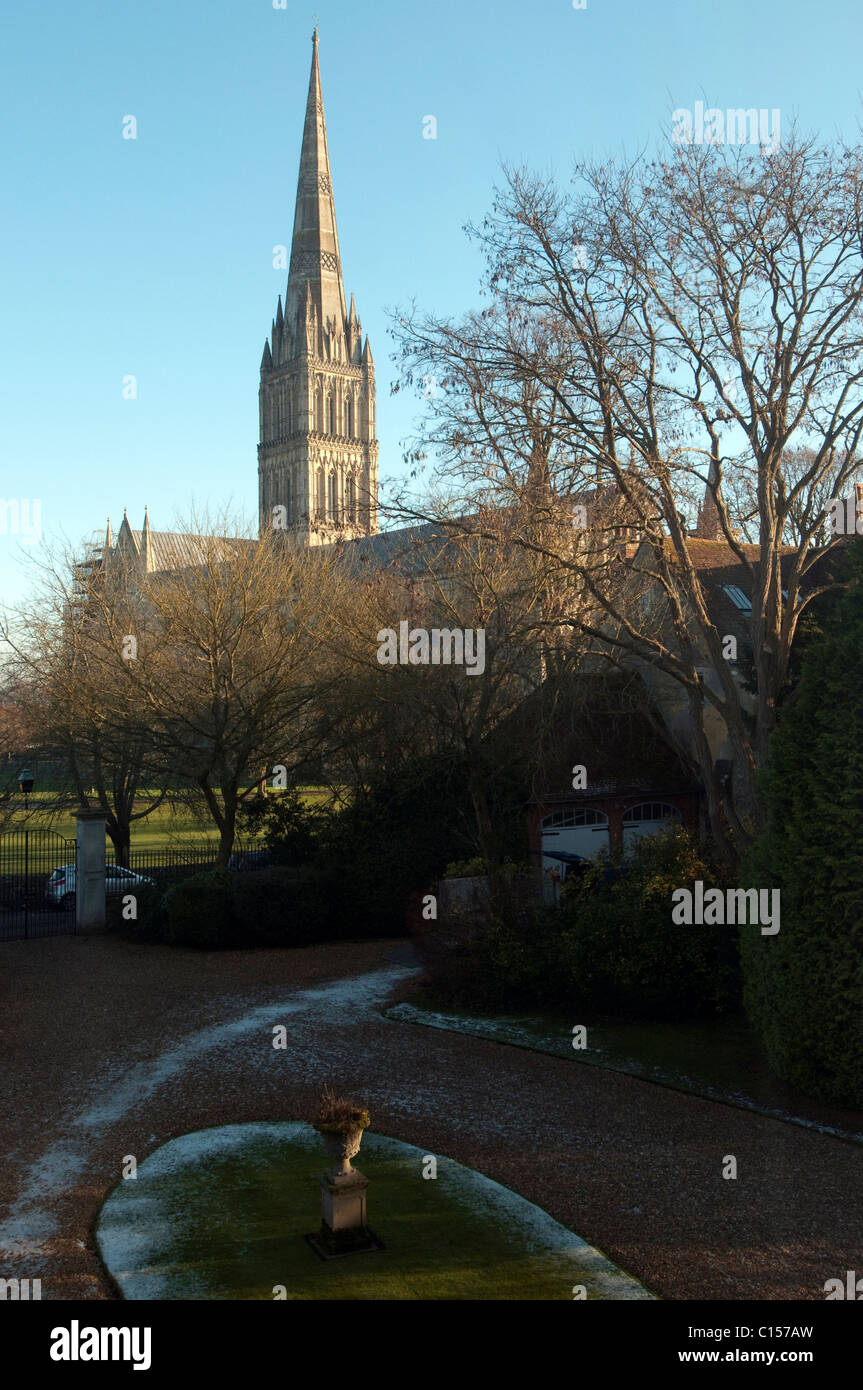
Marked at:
<point>318,454</point>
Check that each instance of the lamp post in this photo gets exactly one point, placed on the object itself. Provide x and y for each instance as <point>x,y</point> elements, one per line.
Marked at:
<point>25,784</point>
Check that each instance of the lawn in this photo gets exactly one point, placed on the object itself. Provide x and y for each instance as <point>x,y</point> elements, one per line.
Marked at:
<point>221,1214</point>
<point>167,826</point>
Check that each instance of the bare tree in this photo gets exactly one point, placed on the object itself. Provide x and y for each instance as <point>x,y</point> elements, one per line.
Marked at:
<point>227,655</point>
<point>100,751</point>
<point>446,597</point>
<point>687,326</point>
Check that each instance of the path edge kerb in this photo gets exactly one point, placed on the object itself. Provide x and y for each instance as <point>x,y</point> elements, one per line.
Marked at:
<point>422,1018</point>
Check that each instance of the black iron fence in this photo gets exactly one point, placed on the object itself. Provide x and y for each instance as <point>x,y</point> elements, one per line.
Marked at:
<point>169,864</point>
<point>38,872</point>
<point>37,868</point>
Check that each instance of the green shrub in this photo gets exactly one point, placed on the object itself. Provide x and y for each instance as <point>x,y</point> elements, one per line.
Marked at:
<point>610,947</point>
<point>394,839</point>
<point>292,829</point>
<point>199,911</point>
<point>804,986</point>
<point>466,868</point>
<point>477,868</point>
<point>620,949</point>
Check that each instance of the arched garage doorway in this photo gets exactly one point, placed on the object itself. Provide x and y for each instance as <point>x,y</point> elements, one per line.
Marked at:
<point>577,830</point>
<point>647,818</point>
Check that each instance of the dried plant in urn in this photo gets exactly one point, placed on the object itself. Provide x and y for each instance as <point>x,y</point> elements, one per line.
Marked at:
<point>341,1122</point>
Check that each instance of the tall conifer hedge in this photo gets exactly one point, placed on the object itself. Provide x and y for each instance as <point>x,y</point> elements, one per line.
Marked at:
<point>803,988</point>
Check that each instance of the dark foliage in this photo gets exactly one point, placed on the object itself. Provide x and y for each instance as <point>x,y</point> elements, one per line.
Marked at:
<point>804,986</point>
<point>611,947</point>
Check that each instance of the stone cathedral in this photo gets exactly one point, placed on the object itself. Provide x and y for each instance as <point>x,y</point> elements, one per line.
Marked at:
<point>318,454</point>
<point>318,451</point>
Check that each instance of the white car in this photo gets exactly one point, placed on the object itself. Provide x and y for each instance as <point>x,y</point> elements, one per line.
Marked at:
<point>61,884</point>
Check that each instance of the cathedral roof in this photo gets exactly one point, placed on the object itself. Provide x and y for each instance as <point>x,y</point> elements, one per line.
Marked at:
<point>171,550</point>
<point>405,548</point>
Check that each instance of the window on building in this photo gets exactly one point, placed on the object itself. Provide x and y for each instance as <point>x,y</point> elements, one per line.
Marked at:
<point>331,415</point>
<point>651,810</point>
<point>319,489</point>
<point>738,598</point>
<point>333,498</point>
<point>351,498</point>
<point>349,416</point>
<point>576,815</point>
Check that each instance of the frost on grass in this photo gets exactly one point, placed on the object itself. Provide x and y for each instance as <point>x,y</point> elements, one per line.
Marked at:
<point>139,1226</point>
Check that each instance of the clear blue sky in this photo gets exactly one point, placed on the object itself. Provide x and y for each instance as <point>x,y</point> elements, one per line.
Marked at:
<point>153,257</point>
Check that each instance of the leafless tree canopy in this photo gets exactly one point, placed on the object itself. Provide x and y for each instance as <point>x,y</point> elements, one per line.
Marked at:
<point>658,328</point>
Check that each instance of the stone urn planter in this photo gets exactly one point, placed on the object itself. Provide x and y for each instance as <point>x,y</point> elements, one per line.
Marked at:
<point>340,1123</point>
<point>342,1145</point>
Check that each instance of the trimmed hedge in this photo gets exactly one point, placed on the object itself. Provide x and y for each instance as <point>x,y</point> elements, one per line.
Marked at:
<point>199,911</point>
<point>264,907</point>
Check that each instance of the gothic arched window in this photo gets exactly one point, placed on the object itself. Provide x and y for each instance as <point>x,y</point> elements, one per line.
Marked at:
<point>333,508</point>
<point>331,415</point>
<point>349,416</point>
<point>319,412</point>
<point>351,498</point>
<point>319,489</point>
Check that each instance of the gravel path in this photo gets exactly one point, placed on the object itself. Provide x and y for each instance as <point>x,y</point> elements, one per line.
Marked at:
<point>109,1049</point>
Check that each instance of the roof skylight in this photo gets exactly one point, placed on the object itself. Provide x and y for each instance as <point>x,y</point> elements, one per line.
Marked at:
<point>738,598</point>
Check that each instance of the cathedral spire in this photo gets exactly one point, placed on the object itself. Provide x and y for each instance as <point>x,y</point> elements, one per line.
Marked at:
<point>145,541</point>
<point>315,259</point>
<point>709,526</point>
<point>318,451</point>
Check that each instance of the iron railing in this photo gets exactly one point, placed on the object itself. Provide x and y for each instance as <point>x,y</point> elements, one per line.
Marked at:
<point>29,905</point>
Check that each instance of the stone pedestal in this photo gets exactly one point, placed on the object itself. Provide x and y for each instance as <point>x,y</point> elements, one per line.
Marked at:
<point>343,1200</point>
<point>343,1217</point>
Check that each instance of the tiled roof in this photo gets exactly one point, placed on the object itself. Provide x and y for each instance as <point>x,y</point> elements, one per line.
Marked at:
<point>718,565</point>
<point>710,555</point>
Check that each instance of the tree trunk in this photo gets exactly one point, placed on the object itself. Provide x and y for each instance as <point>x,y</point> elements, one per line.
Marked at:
<point>121,838</point>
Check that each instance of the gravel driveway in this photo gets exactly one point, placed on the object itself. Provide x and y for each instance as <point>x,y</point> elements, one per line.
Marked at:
<point>109,1049</point>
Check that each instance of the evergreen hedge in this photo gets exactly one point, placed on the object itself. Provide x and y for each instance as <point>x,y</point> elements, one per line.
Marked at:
<point>803,988</point>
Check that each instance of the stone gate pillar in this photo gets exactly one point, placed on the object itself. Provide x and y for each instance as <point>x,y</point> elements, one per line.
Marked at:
<point>90,873</point>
